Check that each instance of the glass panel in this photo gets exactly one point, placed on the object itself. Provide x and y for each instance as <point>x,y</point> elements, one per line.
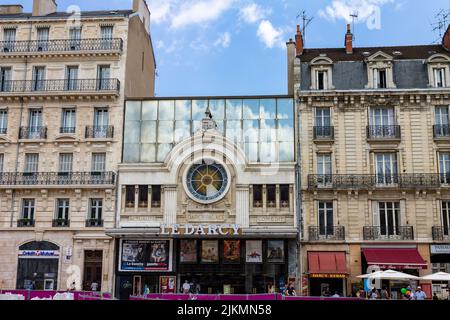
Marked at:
<point>166,110</point>
<point>183,110</point>
<point>268,109</point>
<point>150,110</point>
<point>132,133</point>
<point>251,151</point>
<point>182,130</point>
<point>234,109</point>
<point>131,152</point>
<point>286,130</point>
<point>133,110</point>
<point>196,126</point>
<point>251,109</point>
<point>148,131</point>
<point>165,132</point>
<point>251,131</point>
<point>285,109</point>
<point>234,131</point>
<point>268,131</point>
<point>148,153</point>
<point>198,109</point>
<point>286,152</point>
<point>217,108</point>
<point>163,151</point>
<point>268,152</point>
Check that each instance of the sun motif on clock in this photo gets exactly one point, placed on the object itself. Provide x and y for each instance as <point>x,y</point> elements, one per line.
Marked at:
<point>207,182</point>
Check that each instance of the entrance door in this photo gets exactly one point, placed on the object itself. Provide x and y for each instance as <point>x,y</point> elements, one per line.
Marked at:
<point>92,270</point>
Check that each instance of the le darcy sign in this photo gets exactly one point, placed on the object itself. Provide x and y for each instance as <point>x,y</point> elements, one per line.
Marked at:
<point>201,230</point>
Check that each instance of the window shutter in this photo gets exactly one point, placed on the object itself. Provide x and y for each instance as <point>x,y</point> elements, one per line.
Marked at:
<point>375,78</point>
<point>375,214</point>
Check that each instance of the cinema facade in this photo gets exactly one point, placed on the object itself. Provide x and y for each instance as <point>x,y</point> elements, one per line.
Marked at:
<point>206,194</point>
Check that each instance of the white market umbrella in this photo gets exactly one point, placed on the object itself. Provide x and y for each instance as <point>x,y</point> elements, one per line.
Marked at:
<point>389,275</point>
<point>438,276</point>
<point>369,275</point>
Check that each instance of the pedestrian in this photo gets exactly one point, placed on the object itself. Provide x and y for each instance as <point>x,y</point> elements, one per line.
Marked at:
<point>186,287</point>
<point>94,286</point>
<point>435,297</point>
<point>373,295</point>
<point>419,294</point>
<point>290,290</point>
<point>336,295</point>
<point>384,294</point>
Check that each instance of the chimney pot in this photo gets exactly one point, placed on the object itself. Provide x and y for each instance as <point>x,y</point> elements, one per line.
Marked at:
<point>44,7</point>
<point>299,42</point>
<point>349,40</point>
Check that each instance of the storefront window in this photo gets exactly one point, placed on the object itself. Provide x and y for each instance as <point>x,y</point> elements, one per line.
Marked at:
<point>129,196</point>
<point>156,196</point>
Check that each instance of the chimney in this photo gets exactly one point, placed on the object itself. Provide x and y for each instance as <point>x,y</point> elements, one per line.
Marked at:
<point>11,9</point>
<point>349,40</point>
<point>446,39</point>
<point>44,7</point>
<point>290,65</point>
<point>299,42</point>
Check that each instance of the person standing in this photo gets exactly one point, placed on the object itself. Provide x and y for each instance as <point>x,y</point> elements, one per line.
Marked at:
<point>186,287</point>
<point>384,294</point>
<point>94,286</point>
<point>373,295</point>
<point>419,294</point>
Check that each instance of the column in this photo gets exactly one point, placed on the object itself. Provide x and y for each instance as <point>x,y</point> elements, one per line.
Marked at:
<point>170,205</point>
<point>243,206</point>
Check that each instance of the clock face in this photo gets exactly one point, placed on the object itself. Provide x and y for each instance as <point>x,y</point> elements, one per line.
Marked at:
<point>207,182</point>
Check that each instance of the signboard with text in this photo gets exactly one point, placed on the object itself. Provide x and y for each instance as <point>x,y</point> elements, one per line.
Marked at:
<point>146,255</point>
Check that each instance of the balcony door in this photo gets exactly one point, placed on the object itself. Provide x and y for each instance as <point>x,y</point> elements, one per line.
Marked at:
<point>386,168</point>
<point>68,123</point>
<point>104,74</point>
<point>324,168</point>
<point>42,38</point>
<point>71,78</point>
<point>106,35</point>
<point>446,218</point>
<point>387,218</point>
<point>35,124</point>
<point>382,122</point>
<point>9,39</point>
<point>5,79</point>
<point>38,78</point>
<point>444,167</point>
<point>323,122</point>
<point>441,119</point>
<point>75,38</point>
<point>101,122</point>
<point>326,220</point>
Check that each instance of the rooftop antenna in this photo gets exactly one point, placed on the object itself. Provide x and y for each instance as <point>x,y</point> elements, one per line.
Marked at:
<point>305,23</point>
<point>442,19</point>
<point>354,17</point>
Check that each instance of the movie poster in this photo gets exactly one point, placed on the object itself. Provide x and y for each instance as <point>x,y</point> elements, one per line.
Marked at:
<point>232,251</point>
<point>188,251</point>
<point>275,251</point>
<point>210,251</point>
<point>167,284</point>
<point>146,255</point>
<point>253,251</point>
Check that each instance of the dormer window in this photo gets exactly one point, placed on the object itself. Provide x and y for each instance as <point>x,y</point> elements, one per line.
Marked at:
<point>321,73</point>
<point>439,77</point>
<point>438,71</point>
<point>379,78</point>
<point>380,71</point>
<point>322,80</point>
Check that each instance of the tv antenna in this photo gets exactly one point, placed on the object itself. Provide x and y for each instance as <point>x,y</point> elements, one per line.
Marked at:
<point>354,17</point>
<point>305,23</point>
<point>442,19</point>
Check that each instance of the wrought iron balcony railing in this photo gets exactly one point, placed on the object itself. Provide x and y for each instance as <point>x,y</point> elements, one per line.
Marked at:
<point>67,130</point>
<point>324,132</point>
<point>99,132</point>
<point>388,233</point>
<point>90,223</point>
<point>383,132</point>
<point>440,233</point>
<point>441,131</point>
<point>33,133</point>
<point>369,181</point>
<point>61,45</point>
<point>24,223</point>
<point>61,223</point>
<point>317,233</point>
<point>56,178</point>
<point>3,130</point>
<point>59,85</point>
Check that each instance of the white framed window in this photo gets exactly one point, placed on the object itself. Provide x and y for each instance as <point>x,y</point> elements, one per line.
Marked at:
<point>322,79</point>
<point>387,217</point>
<point>5,79</point>
<point>9,39</point>
<point>31,163</point>
<point>324,168</point>
<point>27,209</point>
<point>62,209</point>
<point>386,168</point>
<point>380,78</point>
<point>68,120</point>
<point>38,78</point>
<point>96,209</point>
<point>65,162</point>
<point>444,167</point>
<point>3,121</point>
<point>2,160</point>
<point>75,38</point>
<point>326,218</point>
<point>439,77</point>
<point>42,38</point>
<point>446,217</point>
<point>98,162</point>
<point>71,77</point>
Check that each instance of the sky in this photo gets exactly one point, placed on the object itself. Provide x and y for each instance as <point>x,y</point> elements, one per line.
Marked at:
<point>238,47</point>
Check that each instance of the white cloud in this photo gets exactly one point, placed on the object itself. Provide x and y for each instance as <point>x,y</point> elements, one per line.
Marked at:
<point>341,9</point>
<point>161,9</point>
<point>270,35</point>
<point>224,40</point>
<point>252,13</point>
<point>159,44</point>
<point>196,12</point>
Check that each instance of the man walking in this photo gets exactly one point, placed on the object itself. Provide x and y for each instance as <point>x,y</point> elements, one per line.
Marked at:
<point>419,294</point>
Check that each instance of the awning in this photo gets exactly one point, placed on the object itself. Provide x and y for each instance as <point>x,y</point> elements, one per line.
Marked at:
<point>395,258</point>
<point>327,264</point>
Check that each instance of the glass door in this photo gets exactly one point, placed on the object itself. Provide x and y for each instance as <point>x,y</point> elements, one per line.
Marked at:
<point>104,74</point>
<point>386,168</point>
<point>5,79</point>
<point>42,38</point>
<point>71,78</point>
<point>35,124</point>
<point>101,123</point>
<point>38,78</point>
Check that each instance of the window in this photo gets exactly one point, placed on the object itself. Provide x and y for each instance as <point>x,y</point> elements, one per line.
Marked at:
<point>257,196</point>
<point>130,196</point>
<point>65,163</point>
<point>386,168</point>
<point>446,217</point>
<point>98,162</point>
<point>42,38</point>
<point>323,117</point>
<point>35,124</point>
<point>71,78</point>
<point>68,121</point>
<point>3,121</point>
<point>389,218</point>
<point>444,167</point>
<point>9,38</point>
<point>324,168</point>
<point>2,160</point>
<point>104,74</point>
<point>101,121</point>
<point>5,79</point>
<point>106,35</point>
<point>75,38</point>
<point>62,209</point>
<point>326,222</point>
<point>439,78</point>
<point>38,79</point>
<point>271,190</point>
<point>284,196</point>
<point>156,196</point>
<point>28,209</point>
<point>379,78</point>
<point>322,80</point>
<point>382,122</point>
<point>96,208</point>
<point>143,196</point>
<point>31,163</point>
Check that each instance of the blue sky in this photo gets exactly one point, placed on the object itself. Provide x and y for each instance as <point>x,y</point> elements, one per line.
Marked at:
<point>237,47</point>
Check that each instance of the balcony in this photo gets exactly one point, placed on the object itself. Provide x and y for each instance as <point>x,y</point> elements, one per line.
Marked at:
<point>441,131</point>
<point>371,181</point>
<point>324,133</point>
<point>99,132</point>
<point>440,233</point>
<point>61,46</point>
<point>25,223</point>
<point>3,130</point>
<point>383,133</point>
<point>61,223</point>
<point>67,130</point>
<point>57,179</point>
<point>33,133</point>
<point>381,233</point>
<point>94,223</point>
<point>336,233</point>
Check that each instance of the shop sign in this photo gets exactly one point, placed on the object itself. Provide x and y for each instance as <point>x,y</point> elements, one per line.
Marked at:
<point>146,255</point>
<point>167,284</point>
<point>202,229</point>
<point>328,275</point>
<point>39,254</point>
<point>440,249</point>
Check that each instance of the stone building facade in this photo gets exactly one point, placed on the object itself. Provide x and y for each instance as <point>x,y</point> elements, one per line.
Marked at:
<point>64,79</point>
<point>374,141</point>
